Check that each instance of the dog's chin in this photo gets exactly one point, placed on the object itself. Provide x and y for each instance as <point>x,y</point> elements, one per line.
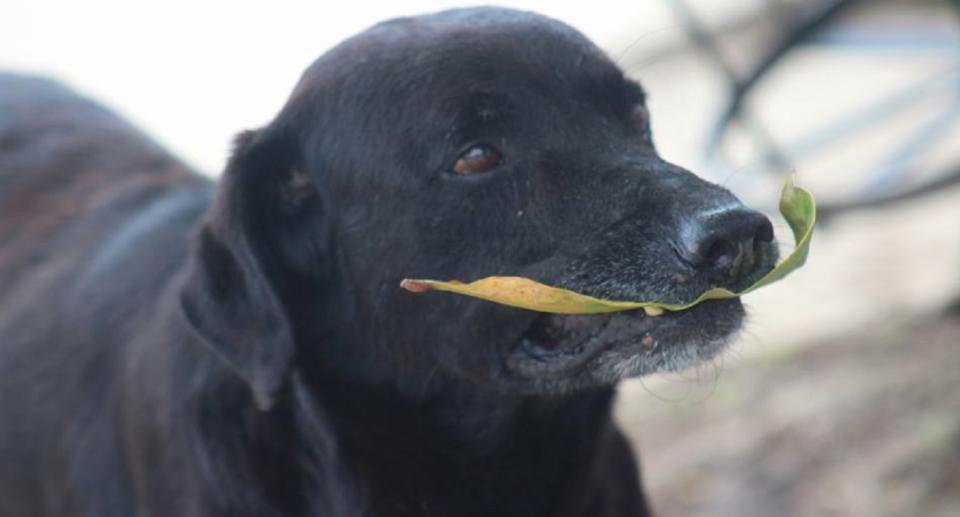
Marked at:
<point>561,353</point>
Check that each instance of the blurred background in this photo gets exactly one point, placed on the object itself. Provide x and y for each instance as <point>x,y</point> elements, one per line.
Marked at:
<point>842,397</point>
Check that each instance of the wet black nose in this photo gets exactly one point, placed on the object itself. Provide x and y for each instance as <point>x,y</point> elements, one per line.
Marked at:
<point>726,243</point>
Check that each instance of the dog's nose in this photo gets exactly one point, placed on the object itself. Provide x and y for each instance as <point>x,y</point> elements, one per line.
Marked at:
<point>726,243</point>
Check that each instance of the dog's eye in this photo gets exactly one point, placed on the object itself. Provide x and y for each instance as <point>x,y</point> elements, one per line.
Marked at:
<point>478,158</point>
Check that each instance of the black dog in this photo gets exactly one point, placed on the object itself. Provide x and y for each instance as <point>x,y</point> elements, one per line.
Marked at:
<point>165,351</point>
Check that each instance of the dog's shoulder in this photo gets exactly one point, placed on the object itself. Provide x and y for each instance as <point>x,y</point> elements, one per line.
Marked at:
<point>37,113</point>
<point>46,128</point>
<point>64,159</point>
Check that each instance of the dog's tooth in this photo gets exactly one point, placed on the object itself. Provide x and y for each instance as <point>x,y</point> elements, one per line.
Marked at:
<point>653,311</point>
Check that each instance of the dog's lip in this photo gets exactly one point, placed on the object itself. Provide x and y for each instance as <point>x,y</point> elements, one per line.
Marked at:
<point>579,339</point>
<point>555,344</point>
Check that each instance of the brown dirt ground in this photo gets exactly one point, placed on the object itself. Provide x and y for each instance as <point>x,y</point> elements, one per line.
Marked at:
<point>867,424</point>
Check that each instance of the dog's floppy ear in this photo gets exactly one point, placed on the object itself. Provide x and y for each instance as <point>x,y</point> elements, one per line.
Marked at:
<point>231,296</point>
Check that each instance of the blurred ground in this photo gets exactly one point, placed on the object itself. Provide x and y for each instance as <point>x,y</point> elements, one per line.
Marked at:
<point>863,424</point>
<point>843,396</point>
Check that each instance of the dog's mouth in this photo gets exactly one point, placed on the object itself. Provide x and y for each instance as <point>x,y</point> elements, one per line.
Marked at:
<point>608,347</point>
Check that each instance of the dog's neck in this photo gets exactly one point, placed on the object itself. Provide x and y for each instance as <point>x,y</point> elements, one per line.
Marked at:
<point>416,441</point>
<point>515,452</point>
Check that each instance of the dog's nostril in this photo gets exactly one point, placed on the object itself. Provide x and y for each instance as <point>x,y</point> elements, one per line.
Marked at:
<point>721,254</point>
<point>764,231</point>
<point>762,237</point>
<point>728,243</point>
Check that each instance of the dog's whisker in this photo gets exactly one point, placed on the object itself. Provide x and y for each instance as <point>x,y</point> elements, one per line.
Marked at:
<point>641,38</point>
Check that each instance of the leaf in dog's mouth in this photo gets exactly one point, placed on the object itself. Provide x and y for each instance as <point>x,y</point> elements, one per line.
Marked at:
<point>796,205</point>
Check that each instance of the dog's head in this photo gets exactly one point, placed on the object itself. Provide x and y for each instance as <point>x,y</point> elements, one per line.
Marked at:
<point>461,145</point>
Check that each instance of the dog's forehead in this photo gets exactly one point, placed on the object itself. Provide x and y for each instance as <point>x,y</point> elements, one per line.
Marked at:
<point>482,28</point>
<point>509,40</point>
<point>486,44</point>
<point>430,72</point>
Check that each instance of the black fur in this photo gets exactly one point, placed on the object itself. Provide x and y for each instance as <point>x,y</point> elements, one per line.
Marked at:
<point>169,347</point>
